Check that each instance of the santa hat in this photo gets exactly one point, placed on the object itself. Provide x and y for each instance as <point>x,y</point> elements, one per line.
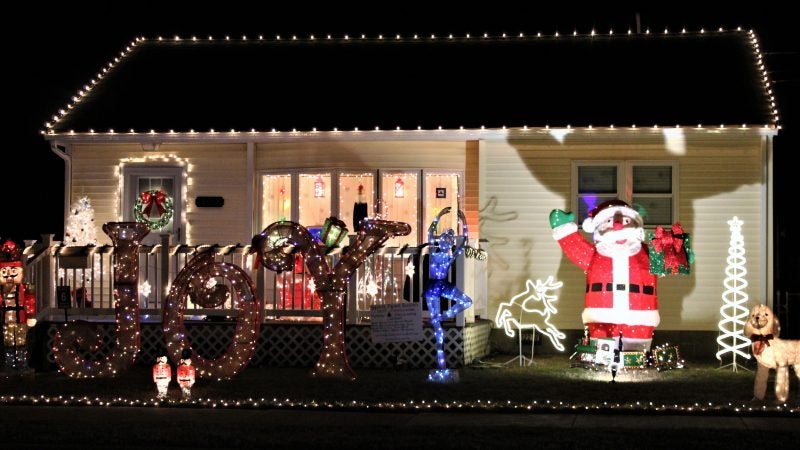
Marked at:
<point>606,210</point>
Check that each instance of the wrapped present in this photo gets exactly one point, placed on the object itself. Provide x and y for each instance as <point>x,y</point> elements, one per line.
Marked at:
<point>670,251</point>
<point>667,357</point>
<point>634,360</point>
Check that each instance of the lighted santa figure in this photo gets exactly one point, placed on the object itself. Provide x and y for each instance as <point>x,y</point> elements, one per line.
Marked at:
<point>18,306</point>
<point>162,375</point>
<point>186,374</point>
<point>621,295</point>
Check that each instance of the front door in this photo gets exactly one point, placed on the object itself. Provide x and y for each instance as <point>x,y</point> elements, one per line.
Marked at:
<point>154,194</point>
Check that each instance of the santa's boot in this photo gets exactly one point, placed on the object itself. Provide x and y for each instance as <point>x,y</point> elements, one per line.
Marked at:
<point>11,359</point>
<point>636,345</point>
<point>22,360</point>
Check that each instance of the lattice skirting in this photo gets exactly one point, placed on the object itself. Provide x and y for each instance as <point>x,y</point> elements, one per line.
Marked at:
<point>299,345</point>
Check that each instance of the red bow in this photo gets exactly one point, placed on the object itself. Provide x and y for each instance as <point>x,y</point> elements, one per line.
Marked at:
<point>671,243</point>
<point>150,198</point>
<point>758,342</point>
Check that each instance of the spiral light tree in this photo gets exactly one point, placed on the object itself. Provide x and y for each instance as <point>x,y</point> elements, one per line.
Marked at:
<point>731,338</point>
<point>126,238</point>
<point>279,243</point>
<point>198,280</point>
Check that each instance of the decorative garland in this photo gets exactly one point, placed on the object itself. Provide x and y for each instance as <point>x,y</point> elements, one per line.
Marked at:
<point>143,209</point>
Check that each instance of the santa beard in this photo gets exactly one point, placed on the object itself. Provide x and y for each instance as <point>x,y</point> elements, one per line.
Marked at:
<point>611,243</point>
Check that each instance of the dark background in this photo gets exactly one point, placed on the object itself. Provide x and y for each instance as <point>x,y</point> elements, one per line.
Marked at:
<point>57,49</point>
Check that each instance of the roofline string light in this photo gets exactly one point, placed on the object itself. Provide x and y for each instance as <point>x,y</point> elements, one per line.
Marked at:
<point>346,38</point>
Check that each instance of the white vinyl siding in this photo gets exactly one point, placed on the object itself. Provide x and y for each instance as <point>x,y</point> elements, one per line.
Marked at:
<point>211,169</point>
<point>522,181</point>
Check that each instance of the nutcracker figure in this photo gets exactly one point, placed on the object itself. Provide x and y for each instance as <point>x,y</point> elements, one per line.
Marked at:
<point>162,375</point>
<point>186,373</point>
<point>18,306</point>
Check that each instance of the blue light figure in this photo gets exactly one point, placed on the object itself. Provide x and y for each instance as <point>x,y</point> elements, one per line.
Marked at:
<point>443,252</point>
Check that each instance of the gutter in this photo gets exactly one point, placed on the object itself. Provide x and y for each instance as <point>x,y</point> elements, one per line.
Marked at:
<point>55,148</point>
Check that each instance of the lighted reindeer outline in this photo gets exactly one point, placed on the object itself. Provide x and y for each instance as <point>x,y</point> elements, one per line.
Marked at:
<point>526,302</point>
<point>443,252</point>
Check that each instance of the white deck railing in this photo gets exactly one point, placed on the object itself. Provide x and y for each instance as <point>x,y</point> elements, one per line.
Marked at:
<point>391,275</point>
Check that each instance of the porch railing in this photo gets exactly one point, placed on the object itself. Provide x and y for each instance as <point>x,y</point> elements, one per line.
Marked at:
<point>391,275</point>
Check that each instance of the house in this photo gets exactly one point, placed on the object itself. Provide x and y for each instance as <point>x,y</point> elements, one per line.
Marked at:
<point>242,131</point>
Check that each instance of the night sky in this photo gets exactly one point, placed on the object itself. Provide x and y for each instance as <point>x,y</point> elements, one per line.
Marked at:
<point>62,47</point>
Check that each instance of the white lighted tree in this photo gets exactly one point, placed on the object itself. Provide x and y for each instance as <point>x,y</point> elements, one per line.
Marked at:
<point>80,228</point>
<point>80,231</point>
<point>731,338</point>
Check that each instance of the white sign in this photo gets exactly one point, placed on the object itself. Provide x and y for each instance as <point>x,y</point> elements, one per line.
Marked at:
<point>399,322</point>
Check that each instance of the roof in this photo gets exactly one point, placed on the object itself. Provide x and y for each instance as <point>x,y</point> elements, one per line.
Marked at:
<point>347,82</point>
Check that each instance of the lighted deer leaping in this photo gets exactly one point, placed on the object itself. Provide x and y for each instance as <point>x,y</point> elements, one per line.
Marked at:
<point>524,312</point>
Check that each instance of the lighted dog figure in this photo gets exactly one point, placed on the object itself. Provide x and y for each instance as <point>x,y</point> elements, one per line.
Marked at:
<point>531,310</point>
<point>771,352</point>
<point>443,252</point>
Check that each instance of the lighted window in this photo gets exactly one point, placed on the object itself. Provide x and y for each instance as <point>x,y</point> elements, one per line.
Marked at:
<point>649,187</point>
<point>400,209</point>
<point>441,190</point>
<point>276,198</point>
<point>356,198</point>
<point>314,200</point>
<point>309,197</point>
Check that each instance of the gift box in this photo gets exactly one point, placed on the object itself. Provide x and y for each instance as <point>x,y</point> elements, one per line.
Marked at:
<point>667,357</point>
<point>670,251</point>
<point>634,360</point>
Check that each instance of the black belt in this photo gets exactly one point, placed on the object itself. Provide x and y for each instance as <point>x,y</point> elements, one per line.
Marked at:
<point>17,308</point>
<point>610,287</point>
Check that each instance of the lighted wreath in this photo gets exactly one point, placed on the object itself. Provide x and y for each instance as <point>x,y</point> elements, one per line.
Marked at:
<point>150,203</point>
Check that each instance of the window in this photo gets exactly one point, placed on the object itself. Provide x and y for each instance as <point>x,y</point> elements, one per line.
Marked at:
<point>168,180</point>
<point>441,190</point>
<point>309,197</point>
<point>649,187</point>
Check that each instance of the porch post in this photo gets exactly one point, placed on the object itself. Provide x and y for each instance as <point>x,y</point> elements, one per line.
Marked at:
<point>461,285</point>
<point>48,272</point>
<point>164,279</point>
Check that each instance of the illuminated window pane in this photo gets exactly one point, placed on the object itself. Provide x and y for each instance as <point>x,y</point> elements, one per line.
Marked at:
<point>276,198</point>
<point>352,206</point>
<point>400,209</point>
<point>441,191</point>
<point>314,209</point>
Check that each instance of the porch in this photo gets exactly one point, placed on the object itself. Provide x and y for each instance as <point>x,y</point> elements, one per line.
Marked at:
<point>76,283</point>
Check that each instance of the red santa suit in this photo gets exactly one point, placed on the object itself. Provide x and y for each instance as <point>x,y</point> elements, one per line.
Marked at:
<point>621,293</point>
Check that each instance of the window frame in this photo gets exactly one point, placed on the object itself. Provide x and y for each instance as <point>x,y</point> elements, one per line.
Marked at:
<point>625,183</point>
